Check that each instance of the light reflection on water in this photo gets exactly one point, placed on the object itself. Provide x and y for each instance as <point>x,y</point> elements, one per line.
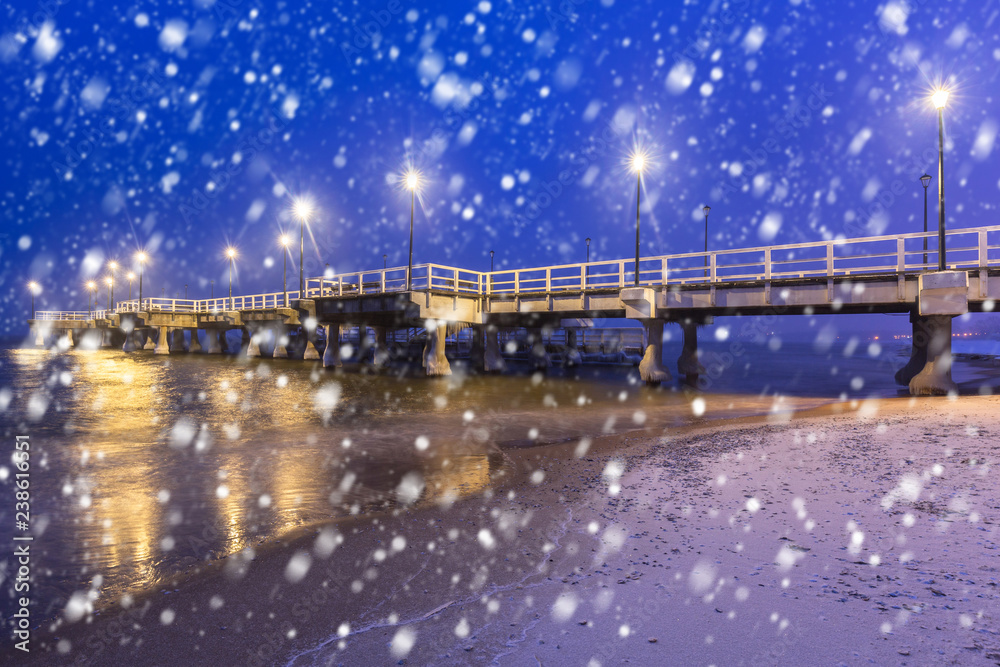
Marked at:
<point>143,465</point>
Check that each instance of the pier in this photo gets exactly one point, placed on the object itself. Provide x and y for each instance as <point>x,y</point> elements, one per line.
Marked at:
<point>370,309</point>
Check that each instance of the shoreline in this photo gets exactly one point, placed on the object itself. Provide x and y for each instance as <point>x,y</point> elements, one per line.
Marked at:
<point>369,581</point>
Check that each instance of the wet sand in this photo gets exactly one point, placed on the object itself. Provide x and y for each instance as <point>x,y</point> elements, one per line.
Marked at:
<point>856,533</point>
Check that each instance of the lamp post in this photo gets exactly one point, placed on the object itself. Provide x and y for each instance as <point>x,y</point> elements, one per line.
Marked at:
<point>638,162</point>
<point>91,289</point>
<point>412,181</point>
<point>940,99</point>
<point>303,210</point>
<point>925,180</point>
<point>491,261</point>
<point>185,291</point>
<point>32,288</point>
<point>285,241</point>
<point>141,258</point>
<point>588,249</point>
<point>706,209</point>
<point>385,258</point>
<point>111,285</point>
<point>131,277</point>
<point>113,265</point>
<point>212,283</point>
<point>231,254</point>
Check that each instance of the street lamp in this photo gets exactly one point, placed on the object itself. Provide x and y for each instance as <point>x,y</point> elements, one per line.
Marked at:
<point>284,240</point>
<point>91,289</point>
<point>706,209</point>
<point>141,258</point>
<point>491,261</point>
<point>303,209</point>
<point>212,282</point>
<point>940,99</point>
<point>130,276</point>
<point>638,162</point>
<point>588,250</point>
<point>412,181</point>
<point>32,288</point>
<point>385,258</point>
<point>231,254</point>
<point>925,180</point>
<point>111,286</point>
<point>113,265</point>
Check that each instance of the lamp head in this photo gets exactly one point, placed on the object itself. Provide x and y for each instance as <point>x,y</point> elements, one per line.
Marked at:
<point>33,286</point>
<point>91,285</point>
<point>926,180</point>
<point>940,98</point>
<point>706,209</point>
<point>108,280</point>
<point>302,208</point>
<point>284,240</point>
<point>231,252</point>
<point>141,257</point>
<point>588,241</point>
<point>130,276</point>
<point>412,179</point>
<point>113,265</point>
<point>638,161</point>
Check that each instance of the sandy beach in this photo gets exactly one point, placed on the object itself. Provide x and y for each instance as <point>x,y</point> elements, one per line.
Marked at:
<point>857,533</point>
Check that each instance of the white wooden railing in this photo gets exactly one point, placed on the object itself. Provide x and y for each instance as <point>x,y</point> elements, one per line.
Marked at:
<point>966,249</point>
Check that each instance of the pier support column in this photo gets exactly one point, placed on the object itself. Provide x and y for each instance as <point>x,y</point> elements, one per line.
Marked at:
<point>161,341</point>
<point>651,368</point>
<point>280,344</point>
<point>492,358</point>
<point>310,353</point>
<point>476,350</point>
<point>435,360</point>
<point>69,339</point>
<point>538,355</point>
<point>571,356</point>
<point>251,343</point>
<point>150,340</point>
<point>195,343</point>
<point>331,355</point>
<point>214,346</point>
<point>39,337</point>
<point>106,340</point>
<point>928,372</point>
<point>688,364</point>
<point>380,358</point>
<point>130,345</point>
<point>177,340</point>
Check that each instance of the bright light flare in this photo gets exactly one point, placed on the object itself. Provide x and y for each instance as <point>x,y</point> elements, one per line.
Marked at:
<point>285,240</point>
<point>231,252</point>
<point>130,276</point>
<point>939,98</point>
<point>141,257</point>
<point>638,161</point>
<point>411,180</point>
<point>302,208</point>
<point>91,285</point>
<point>108,281</point>
<point>34,287</point>
<point>113,265</point>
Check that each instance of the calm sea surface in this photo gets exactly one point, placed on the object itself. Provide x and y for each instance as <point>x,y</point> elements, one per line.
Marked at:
<point>144,465</point>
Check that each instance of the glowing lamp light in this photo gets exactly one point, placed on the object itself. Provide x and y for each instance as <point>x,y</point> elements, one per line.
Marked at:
<point>638,162</point>
<point>231,253</point>
<point>412,179</point>
<point>141,257</point>
<point>91,285</point>
<point>284,240</point>
<point>302,208</point>
<point>130,276</point>
<point>108,281</point>
<point>33,286</point>
<point>939,98</point>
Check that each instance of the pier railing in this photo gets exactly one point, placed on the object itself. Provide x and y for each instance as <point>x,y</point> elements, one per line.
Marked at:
<point>893,255</point>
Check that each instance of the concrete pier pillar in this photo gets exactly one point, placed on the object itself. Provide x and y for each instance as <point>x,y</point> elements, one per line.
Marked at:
<point>195,343</point>
<point>310,353</point>
<point>39,337</point>
<point>212,336</point>
<point>571,354</point>
<point>477,352</point>
<point>280,344</point>
<point>435,360</point>
<point>130,345</point>
<point>177,340</point>
<point>150,343</point>
<point>688,364</point>
<point>161,341</point>
<point>68,340</point>
<point>651,368</point>
<point>928,372</point>
<point>106,339</point>
<point>380,357</point>
<point>331,355</point>
<point>492,358</point>
<point>251,343</point>
<point>539,356</point>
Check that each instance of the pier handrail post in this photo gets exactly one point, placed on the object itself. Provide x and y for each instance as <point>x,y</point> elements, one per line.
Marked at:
<point>583,276</point>
<point>548,280</point>
<point>829,258</point>
<point>901,255</point>
<point>621,273</point>
<point>984,253</point>
<point>767,264</point>
<point>517,282</point>
<point>713,267</point>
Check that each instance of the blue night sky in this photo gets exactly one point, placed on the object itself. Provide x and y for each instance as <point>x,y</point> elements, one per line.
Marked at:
<point>183,126</point>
